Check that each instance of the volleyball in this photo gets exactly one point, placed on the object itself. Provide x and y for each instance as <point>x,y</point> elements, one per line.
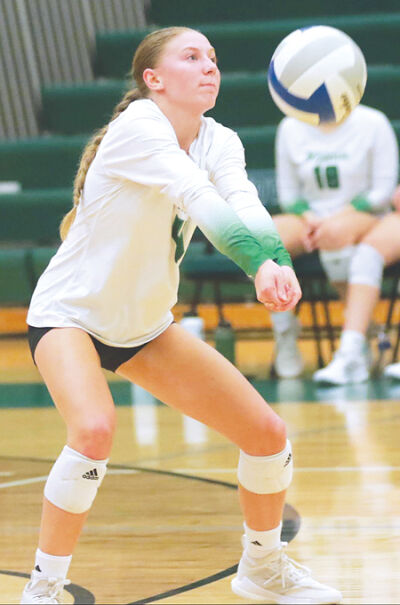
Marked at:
<point>317,74</point>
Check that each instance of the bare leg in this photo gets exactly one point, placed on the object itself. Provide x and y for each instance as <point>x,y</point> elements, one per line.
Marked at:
<point>378,246</point>
<point>384,237</point>
<point>261,512</point>
<point>291,229</point>
<point>71,369</point>
<point>59,530</point>
<point>362,299</point>
<point>189,375</point>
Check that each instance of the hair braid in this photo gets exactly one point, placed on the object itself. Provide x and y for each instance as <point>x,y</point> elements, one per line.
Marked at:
<point>87,158</point>
<point>146,55</point>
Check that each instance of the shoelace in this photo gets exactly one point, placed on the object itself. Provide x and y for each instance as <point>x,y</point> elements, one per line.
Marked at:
<point>53,589</point>
<point>287,569</point>
<point>56,585</point>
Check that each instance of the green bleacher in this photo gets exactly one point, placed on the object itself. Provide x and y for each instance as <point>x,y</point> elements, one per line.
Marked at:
<point>182,12</point>
<point>243,101</point>
<point>244,35</point>
<point>248,46</point>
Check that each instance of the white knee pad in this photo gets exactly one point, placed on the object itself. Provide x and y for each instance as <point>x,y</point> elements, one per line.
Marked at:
<point>74,480</point>
<point>366,266</point>
<point>336,263</point>
<point>266,474</point>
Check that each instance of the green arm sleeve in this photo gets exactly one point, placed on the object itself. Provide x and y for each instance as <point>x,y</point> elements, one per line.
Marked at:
<point>268,236</point>
<point>247,248</point>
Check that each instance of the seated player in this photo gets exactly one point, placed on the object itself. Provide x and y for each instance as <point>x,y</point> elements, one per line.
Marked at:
<point>335,184</point>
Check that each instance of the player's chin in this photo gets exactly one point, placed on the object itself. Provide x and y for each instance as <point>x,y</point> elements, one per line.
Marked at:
<point>209,98</point>
<point>208,107</point>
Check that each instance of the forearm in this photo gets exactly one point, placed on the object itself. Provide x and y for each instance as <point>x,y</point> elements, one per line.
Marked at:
<point>227,232</point>
<point>259,222</point>
<point>268,236</point>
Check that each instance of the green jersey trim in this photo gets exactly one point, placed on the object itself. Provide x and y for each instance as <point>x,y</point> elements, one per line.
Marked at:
<point>299,207</point>
<point>361,204</point>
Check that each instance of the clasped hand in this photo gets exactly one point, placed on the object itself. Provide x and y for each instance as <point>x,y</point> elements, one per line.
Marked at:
<point>336,231</point>
<point>277,287</point>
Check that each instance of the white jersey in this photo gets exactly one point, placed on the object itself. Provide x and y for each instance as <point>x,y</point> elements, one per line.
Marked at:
<point>116,275</point>
<point>328,170</point>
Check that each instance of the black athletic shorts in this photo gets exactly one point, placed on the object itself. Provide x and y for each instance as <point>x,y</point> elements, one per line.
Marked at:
<point>110,357</point>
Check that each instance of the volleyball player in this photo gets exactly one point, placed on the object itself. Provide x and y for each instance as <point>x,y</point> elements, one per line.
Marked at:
<point>335,183</point>
<point>157,170</point>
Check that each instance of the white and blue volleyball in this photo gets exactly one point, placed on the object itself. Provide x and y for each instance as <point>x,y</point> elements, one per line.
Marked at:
<point>317,74</point>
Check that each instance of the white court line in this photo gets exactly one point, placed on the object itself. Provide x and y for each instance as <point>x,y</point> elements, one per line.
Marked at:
<point>112,471</point>
<point>6,473</point>
<point>307,469</point>
<point>23,482</point>
<point>347,469</point>
<point>192,471</point>
<point>122,471</point>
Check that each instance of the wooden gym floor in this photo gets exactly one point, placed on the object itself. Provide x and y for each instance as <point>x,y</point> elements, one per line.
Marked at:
<point>166,525</point>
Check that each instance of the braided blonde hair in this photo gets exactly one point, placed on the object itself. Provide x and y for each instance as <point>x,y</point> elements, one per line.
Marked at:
<point>147,55</point>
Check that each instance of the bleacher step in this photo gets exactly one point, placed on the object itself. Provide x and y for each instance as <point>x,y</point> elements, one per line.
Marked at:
<point>248,45</point>
<point>182,12</point>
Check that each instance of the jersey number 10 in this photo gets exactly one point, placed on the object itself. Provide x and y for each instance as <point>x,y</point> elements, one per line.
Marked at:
<point>327,176</point>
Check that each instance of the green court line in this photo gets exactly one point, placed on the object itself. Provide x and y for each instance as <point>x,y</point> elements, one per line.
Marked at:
<point>35,395</point>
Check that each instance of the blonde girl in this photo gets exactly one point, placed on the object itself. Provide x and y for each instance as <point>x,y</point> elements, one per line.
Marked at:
<point>158,170</point>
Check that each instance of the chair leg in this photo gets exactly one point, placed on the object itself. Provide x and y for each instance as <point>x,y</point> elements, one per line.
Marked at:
<point>218,301</point>
<point>328,323</point>
<point>198,288</point>
<point>316,327</point>
<point>396,346</point>
<point>392,302</point>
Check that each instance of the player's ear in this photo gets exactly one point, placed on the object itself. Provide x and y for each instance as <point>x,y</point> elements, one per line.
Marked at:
<point>152,80</point>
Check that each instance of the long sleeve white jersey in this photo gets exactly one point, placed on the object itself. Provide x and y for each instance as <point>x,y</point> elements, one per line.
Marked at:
<point>116,275</point>
<point>356,163</point>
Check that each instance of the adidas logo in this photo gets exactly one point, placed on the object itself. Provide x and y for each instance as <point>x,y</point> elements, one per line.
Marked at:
<point>256,543</point>
<point>91,475</point>
<point>288,459</point>
<point>37,568</point>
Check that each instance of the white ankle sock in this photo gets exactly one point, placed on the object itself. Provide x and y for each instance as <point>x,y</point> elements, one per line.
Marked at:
<point>352,341</point>
<point>259,543</point>
<point>52,566</point>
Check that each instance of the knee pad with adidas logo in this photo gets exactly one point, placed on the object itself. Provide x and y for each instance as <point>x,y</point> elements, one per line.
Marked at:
<point>74,480</point>
<point>266,474</point>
